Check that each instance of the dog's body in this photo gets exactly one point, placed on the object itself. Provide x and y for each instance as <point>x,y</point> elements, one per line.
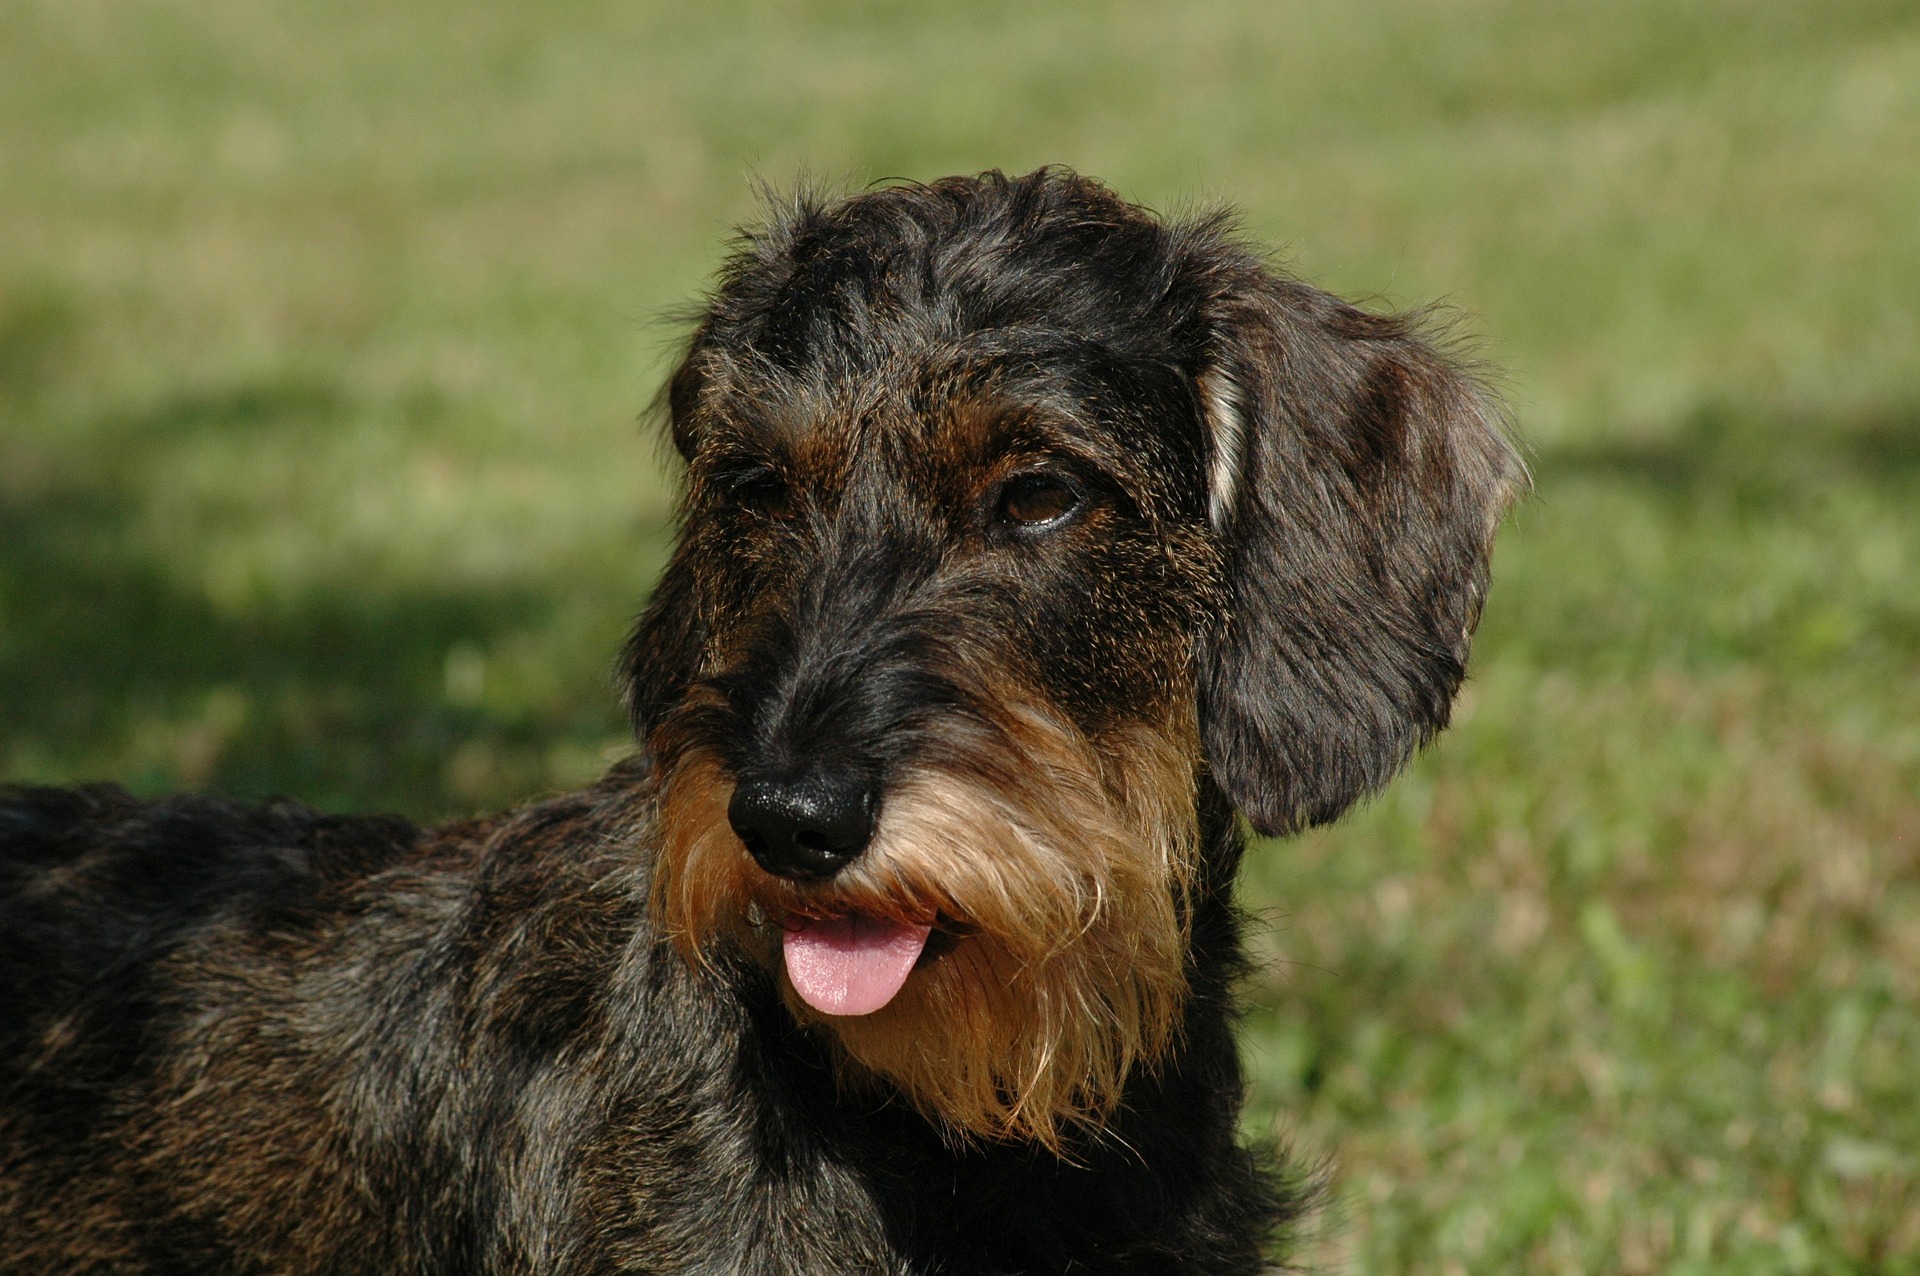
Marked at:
<point>1027,539</point>
<point>306,1044</point>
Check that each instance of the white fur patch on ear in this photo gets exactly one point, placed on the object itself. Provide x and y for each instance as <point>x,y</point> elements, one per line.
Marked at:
<point>1227,429</point>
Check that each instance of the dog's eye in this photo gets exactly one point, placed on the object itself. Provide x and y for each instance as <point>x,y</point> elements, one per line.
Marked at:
<point>761,491</point>
<point>1036,500</point>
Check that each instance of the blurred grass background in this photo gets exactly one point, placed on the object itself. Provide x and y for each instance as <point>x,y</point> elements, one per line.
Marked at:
<point>324,331</point>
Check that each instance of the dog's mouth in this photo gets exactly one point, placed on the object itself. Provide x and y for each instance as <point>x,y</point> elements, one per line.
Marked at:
<point>854,963</point>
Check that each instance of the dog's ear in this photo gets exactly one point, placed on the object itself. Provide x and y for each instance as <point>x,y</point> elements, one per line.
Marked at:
<point>1357,478</point>
<point>679,399</point>
<point>663,652</point>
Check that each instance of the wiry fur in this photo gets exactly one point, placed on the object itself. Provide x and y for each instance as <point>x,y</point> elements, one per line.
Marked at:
<point>258,1039</point>
<point>1065,878</point>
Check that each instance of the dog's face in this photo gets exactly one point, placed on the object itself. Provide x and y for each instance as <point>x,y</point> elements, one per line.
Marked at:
<point>1016,524</point>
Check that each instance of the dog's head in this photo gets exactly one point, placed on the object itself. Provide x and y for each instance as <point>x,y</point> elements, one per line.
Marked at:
<point>1019,527</point>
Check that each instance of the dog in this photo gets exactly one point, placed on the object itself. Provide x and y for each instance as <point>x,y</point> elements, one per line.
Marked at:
<point>1032,547</point>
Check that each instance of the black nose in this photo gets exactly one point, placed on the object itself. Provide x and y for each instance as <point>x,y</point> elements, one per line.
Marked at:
<point>804,827</point>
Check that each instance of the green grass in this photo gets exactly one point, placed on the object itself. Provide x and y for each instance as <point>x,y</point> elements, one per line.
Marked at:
<point>324,331</point>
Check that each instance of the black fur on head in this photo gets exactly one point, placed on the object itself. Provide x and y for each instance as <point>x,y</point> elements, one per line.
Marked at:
<point>1345,473</point>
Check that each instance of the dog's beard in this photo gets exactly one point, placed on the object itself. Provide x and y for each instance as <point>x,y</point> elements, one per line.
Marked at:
<point>1054,878</point>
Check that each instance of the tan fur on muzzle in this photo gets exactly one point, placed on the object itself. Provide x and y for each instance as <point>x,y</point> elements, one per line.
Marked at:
<point>1058,868</point>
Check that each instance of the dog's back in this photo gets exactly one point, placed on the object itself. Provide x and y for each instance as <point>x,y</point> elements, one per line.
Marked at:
<point>118,921</point>
<point>96,887</point>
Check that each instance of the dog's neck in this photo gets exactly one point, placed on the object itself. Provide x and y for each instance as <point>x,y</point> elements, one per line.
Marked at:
<point>944,1195</point>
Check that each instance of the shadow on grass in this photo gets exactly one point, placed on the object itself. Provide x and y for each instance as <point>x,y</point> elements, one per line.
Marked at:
<point>291,404</point>
<point>1754,458</point>
<point>112,667</point>
<point>1773,543</point>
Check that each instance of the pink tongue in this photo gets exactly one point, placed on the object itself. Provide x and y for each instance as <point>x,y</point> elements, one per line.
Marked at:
<point>851,965</point>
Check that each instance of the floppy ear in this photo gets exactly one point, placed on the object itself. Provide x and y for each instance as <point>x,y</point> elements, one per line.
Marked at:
<point>663,652</point>
<point>1357,480</point>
